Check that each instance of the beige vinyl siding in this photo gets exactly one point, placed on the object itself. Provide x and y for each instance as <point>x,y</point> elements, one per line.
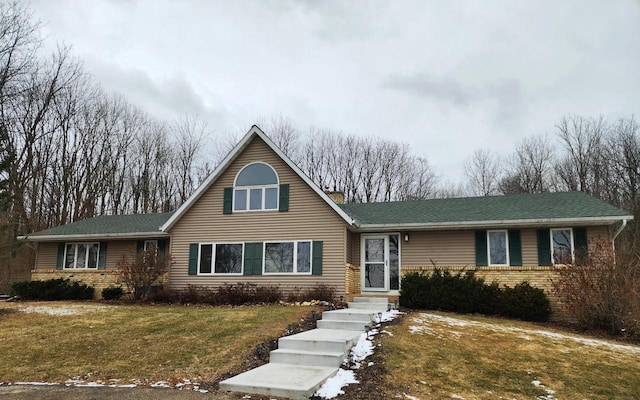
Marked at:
<point>441,248</point>
<point>529,241</point>
<point>48,253</point>
<point>308,218</point>
<point>457,248</point>
<point>47,256</point>
<point>598,233</point>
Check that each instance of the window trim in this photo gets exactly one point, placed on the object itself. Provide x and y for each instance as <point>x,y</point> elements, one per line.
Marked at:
<point>75,258</point>
<point>295,257</point>
<point>506,242</point>
<point>263,188</point>
<point>213,260</point>
<point>571,240</point>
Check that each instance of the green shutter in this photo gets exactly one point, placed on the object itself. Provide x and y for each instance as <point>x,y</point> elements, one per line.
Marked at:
<point>162,245</point>
<point>102,256</point>
<point>284,197</point>
<point>193,258</point>
<point>481,248</point>
<point>580,244</point>
<point>139,246</point>
<point>257,259</point>
<point>316,263</point>
<point>60,260</point>
<point>544,247</point>
<point>227,202</point>
<point>248,259</point>
<point>515,248</point>
<point>253,258</point>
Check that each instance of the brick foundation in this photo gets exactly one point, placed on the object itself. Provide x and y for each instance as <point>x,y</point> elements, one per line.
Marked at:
<point>98,279</point>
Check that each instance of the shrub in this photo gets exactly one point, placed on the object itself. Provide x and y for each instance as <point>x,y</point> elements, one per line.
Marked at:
<point>465,293</point>
<point>53,289</point>
<point>140,273</point>
<point>603,292</point>
<point>112,293</point>
<point>319,292</point>
<point>525,302</point>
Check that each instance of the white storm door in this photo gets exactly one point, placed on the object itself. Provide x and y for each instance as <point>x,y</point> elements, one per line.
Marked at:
<point>375,262</point>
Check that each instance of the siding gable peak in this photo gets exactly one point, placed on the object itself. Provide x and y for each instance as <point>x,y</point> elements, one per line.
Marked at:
<point>253,133</point>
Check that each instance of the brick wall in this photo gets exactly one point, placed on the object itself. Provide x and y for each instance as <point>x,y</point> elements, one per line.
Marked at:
<point>98,279</point>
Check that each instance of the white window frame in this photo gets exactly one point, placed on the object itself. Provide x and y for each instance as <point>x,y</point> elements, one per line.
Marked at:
<point>213,259</point>
<point>295,257</point>
<point>263,188</point>
<point>506,236</point>
<point>571,240</point>
<point>75,258</point>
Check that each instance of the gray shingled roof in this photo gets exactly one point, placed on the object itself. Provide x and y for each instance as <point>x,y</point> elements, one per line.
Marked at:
<point>115,225</point>
<point>534,207</point>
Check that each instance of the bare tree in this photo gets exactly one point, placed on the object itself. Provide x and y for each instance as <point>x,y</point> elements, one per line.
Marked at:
<point>482,171</point>
<point>530,167</point>
<point>582,167</point>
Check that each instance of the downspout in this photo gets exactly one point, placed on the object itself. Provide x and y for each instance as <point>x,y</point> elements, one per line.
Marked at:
<point>624,223</point>
<point>615,235</point>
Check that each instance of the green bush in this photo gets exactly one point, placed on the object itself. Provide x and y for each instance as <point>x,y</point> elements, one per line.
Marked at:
<point>525,302</point>
<point>53,289</point>
<point>464,293</point>
<point>112,293</point>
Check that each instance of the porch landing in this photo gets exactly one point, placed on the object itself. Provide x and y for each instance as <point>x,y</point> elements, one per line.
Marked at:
<point>303,362</point>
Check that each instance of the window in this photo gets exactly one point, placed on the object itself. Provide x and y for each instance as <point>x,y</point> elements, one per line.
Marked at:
<point>151,244</point>
<point>81,255</point>
<point>287,257</point>
<point>497,247</point>
<point>256,188</point>
<point>220,258</point>
<point>562,246</point>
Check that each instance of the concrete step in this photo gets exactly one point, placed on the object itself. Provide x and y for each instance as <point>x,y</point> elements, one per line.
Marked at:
<point>304,357</point>
<point>381,300</point>
<point>347,314</point>
<point>377,307</point>
<point>341,324</point>
<point>321,340</point>
<point>296,382</point>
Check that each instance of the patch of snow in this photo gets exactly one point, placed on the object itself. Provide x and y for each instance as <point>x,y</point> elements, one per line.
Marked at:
<point>63,310</point>
<point>550,393</point>
<point>410,397</point>
<point>362,349</point>
<point>35,383</point>
<point>160,384</point>
<point>457,396</point>
<point>333,386</point>
<point>424,326</point>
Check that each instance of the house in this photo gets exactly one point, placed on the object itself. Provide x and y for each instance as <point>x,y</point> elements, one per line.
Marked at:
<point>259,219</point>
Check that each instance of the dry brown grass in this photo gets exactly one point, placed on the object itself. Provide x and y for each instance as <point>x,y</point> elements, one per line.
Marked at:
<point>487,358</point>
<point>145,343</point>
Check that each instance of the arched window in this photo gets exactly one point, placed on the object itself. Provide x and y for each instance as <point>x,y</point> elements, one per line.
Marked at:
<point>256,188</point>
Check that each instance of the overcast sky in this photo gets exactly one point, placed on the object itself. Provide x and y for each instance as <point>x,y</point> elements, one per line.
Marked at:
<point>446,77</point>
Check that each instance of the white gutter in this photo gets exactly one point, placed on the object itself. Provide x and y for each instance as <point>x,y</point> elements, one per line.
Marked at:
<point>494,223</point>
<point>134,235</point>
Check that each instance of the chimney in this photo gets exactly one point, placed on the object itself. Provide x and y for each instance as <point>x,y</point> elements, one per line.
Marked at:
<point>337,197</point>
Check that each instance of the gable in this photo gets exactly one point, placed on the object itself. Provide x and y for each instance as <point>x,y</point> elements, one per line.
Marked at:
<point>270,151</point>
<point>306,213</point>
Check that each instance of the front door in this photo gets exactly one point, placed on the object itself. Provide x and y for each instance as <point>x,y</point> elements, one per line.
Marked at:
<point>380,263</point>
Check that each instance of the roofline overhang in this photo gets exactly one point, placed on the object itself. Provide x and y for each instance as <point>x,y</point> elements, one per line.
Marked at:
<point>233,154</point>
<point>533,223</point>
<point>96,236</point>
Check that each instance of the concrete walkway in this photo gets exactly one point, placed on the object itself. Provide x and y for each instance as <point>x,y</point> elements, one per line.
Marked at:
<point>303,362</point>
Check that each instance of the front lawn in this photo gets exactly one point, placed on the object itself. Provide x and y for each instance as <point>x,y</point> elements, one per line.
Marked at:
<point>124,344</point>
<point>439,355</point>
